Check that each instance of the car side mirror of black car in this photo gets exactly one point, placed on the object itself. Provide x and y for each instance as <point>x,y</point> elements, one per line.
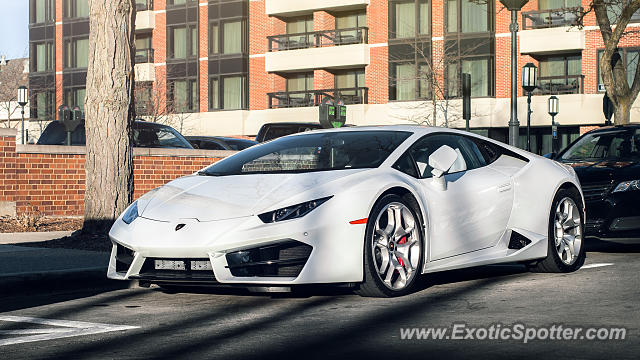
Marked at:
<point>551,155</point>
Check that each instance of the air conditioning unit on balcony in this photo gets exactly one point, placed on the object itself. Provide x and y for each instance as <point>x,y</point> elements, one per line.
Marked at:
<point>601,88</point>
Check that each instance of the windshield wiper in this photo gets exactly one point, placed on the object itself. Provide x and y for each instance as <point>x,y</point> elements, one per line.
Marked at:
<point>205,173</point>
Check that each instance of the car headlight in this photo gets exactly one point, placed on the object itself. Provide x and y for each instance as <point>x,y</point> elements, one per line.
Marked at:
<point>131,213</point>
<point>627,186</point>
<point>292,212</point>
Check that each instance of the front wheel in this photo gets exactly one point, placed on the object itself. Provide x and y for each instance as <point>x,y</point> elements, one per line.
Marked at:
<point>566,251</point>
<point>393,248</point>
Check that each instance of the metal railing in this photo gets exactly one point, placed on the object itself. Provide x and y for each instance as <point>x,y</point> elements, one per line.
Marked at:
<point>541,19</point>
<point>144,56</point>
<point>350,36</point>
<point>554,85</point>
<point>307,98</point>
<point>143,5</point>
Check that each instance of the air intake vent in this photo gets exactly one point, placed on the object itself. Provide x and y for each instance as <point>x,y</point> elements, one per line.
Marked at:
<point>124,258</point>
<point>518,241</point>
<point>284,259</point>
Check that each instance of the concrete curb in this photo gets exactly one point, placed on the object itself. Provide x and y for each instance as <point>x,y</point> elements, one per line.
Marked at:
<point>76,278</point>
<point>26,237</point>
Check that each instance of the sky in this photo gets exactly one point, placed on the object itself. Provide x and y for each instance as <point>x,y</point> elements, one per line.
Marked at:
<point>14,28</point>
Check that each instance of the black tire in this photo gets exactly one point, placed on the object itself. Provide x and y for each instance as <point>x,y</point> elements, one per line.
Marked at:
<point>373,286</point>
<point>553,263</point>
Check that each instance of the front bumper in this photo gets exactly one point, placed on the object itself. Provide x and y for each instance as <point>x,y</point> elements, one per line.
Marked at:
<point>313,249</point>
<point>614,216</point>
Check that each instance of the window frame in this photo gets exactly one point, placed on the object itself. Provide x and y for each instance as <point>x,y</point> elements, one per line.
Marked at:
<point>417,33</point>
<point>72,41</point>
<point>70,10</point>
<point>490,18</point>
<point>192,83</point>
<point>49,16</point>
<point>189,27</point>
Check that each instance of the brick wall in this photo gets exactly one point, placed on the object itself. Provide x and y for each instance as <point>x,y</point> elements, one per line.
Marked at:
<point>50,179</point>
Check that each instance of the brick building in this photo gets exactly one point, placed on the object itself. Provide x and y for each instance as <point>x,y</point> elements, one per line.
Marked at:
<point>228,66</point>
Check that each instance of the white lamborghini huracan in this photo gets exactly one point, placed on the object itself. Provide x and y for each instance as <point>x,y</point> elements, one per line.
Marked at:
<point>369,207</point>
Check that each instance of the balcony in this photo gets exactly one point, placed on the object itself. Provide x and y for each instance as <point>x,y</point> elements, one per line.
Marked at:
<point>145,69</point>
<point>543,19</point>
<point>319,39</point>
<point>560,85</point>
<point>285,8</point>
<point>327,49</point>
<point>145,17</point>
<point>308,98</point>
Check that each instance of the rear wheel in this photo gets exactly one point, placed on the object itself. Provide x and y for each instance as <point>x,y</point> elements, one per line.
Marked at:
<point>393,248</point>
<point>566,251</point>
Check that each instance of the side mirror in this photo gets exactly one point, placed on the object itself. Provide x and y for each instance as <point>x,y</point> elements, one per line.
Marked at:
<point>551,155</point>
<point>441,161</point>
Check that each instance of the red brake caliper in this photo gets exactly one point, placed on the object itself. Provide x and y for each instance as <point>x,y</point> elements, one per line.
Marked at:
<point>402,241</point>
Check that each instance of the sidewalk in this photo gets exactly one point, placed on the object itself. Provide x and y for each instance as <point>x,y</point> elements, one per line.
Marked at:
<point>31,267</point>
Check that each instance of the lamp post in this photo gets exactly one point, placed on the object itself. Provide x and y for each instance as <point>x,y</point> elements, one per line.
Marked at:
<point>554,109</point>
<point>514,126</point>
<point>23,96</point>
<point>529,81</point>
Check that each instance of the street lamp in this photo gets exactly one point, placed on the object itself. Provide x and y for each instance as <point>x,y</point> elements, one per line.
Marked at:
<point>23,96</point>
<point>514,126</point>
<point>554,109</point>
<point>529,81</point>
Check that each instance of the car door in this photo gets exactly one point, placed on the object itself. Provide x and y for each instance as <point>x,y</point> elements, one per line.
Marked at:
<point>473,211</point>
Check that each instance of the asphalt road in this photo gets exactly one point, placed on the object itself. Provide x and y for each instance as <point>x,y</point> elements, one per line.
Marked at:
<point>329,323</point>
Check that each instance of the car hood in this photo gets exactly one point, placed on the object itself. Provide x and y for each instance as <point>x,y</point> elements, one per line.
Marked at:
<point>212,198</point>
<point>605,170</point>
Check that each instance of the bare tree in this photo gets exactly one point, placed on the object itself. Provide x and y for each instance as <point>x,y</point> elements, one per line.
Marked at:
<point>439,103</point>
<point>156,107</point>
<point>613,17</point>
<point>109,112</point>
<point>12,75</point>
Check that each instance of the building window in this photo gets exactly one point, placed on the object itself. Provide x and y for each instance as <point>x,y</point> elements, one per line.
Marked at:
<point>630,58</point>
<point>180,2</point>
<point>481,76</point>
<point>469,16</point>
<point>214,93</point>
<point>76,9</point>
<point>183,96</point>
<point>300,82</point>
<point>43,105</point>
<point>351,20</point>
<point>144,48</point>
<point>232,35</point>
<point>42,58</point>
<point>302,30</point>
<point>409,19</point>
<point>183,42</point>
<point>76,53</point>
<point>350,87</point>
<point>75,97</point>
<point>410,81</point>
<point>614,10</point>
<point>144,100</point>
<point>42,11</point>
<point>233,93</point>
<point>560,74</point>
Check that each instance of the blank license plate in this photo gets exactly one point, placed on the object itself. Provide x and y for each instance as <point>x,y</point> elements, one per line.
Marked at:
<point>201,265</point>
<point>169,265</point>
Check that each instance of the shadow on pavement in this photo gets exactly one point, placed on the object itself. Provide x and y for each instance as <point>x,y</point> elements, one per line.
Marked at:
<point>596,245</point>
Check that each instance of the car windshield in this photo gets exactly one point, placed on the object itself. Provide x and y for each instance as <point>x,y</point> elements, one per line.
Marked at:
<point>158,137</point>
<point>614,144</point>
<point>312,152</point>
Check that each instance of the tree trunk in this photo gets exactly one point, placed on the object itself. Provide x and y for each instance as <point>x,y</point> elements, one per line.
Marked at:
<point>622,115</point>
<point>109,113</point>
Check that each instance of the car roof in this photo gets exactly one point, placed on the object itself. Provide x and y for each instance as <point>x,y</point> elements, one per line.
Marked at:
<point>616,127</point>
<point>416,129</point>
<point>224,138</point>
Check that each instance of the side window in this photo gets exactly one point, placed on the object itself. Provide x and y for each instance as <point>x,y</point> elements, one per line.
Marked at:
<point>489,151</point>
<point>469,156</point>
<point>406,165</point>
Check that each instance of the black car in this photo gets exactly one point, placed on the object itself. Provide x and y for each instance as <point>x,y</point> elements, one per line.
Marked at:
<point>272,131</point>
<point>145,134</point>
<point>607,162</point>
<point>220,143</point>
